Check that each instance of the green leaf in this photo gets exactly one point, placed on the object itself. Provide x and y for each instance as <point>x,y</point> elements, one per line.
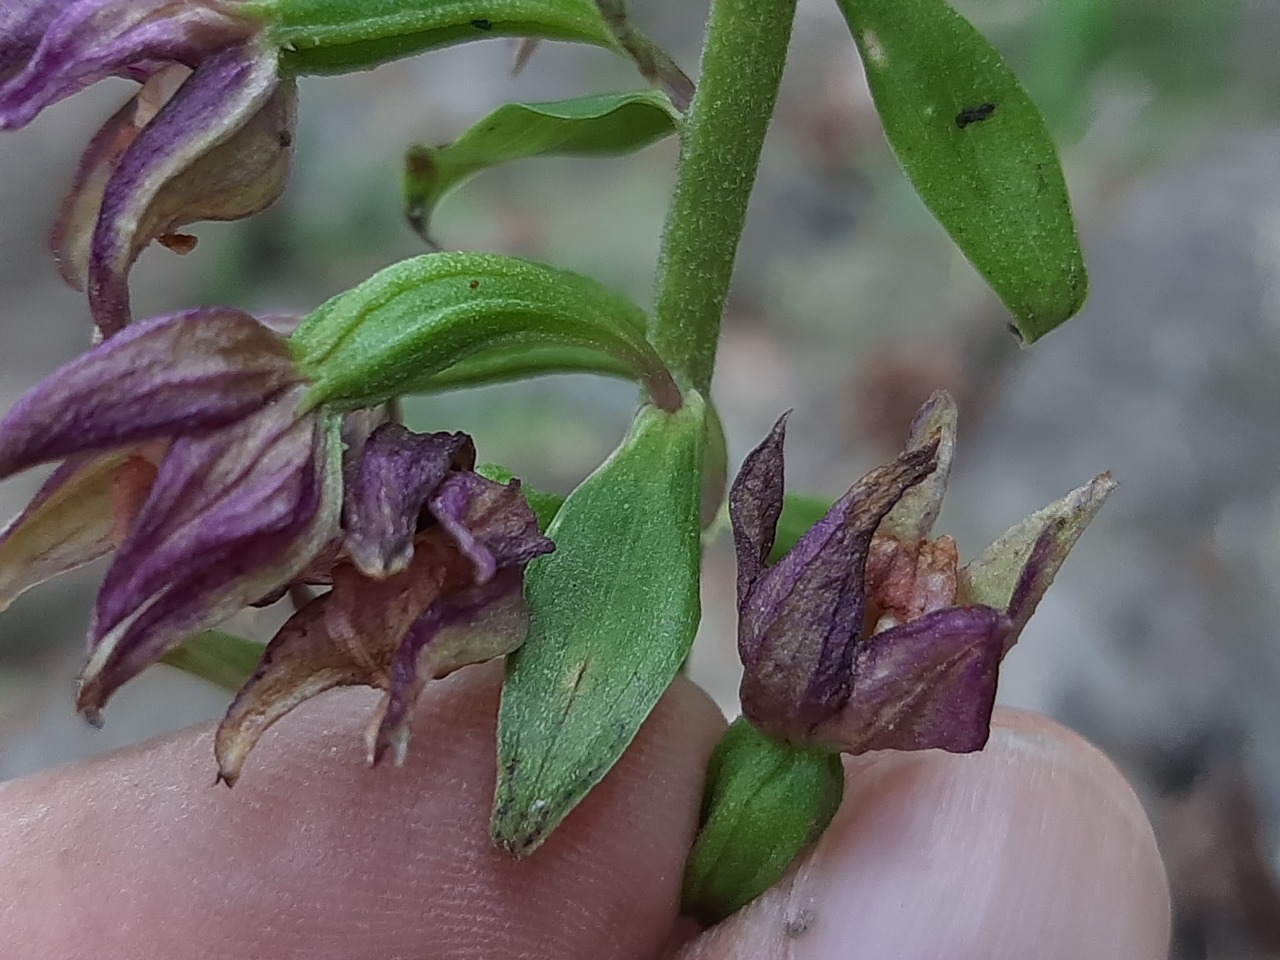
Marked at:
<point>221,658</point>
<point>977,151</point>
<point>424,315</point>
<point>587,126</point>
<point>545,505</point>
<point>764,802</point>
<point>613,613</point>
<point>336,36</point>
<point>504,364</point>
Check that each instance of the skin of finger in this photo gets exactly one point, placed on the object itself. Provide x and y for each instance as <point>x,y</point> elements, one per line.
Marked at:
<point>1035,847</point>
<point>315,855</point>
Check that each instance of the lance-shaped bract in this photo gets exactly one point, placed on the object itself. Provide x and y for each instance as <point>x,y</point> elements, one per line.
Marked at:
<point>186,429</point>
<point>865,635</point>
<point>208,136</point>
<point>453,595</point>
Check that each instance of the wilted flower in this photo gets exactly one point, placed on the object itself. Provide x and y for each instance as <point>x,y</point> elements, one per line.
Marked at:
<point>186,447</point>
<point>431,579</point>
<point>207,137</point>
<point>867,635</point>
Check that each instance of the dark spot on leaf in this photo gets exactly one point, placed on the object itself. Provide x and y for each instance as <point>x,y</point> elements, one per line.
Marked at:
<point>482,24</point>
<point>474,284</point>
<point>285,138</point>
<point>974,114</point>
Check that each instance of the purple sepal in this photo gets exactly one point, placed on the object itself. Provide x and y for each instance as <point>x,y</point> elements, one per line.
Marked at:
<point>68,523</point>
<point>1014,573</point>
<point>388,483</point>
<point>490,522</point>
<point>800,620</point>
<point>928,684</point>
<point>755,505</point>
<point>219,149</point>
<point>84,41</point>
<point>231,516</point>
<point>177,374</point>
<point>913,517</point>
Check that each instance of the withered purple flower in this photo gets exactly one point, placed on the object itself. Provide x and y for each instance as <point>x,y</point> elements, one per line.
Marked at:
<point>207,137</point>
<point>187,449</point>
<point>867,634</point>
<point>432,580</point>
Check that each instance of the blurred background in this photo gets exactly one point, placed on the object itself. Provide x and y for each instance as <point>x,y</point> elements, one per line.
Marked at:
<point>1161,641</point>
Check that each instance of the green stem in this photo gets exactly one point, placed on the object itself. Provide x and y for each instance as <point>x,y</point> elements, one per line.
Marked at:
<point>746,47</point>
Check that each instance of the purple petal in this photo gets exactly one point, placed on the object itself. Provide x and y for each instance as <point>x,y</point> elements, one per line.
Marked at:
<point>928,684</point>
<point>798,627</point>
<point>488,621</point>
<point>491,523</point>
<point>395,473</point>
<point>72,232</point>
<point>220,149</point>
<point>755,504</point>
<point>1014,572</point>
<point>232,516</point>
<point>915,514</point>
<point>67,524</point>
<point>89,40</point>
<point>180,373</point>
<point>22,24</point>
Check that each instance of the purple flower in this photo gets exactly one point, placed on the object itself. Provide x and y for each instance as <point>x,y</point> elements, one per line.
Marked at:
<point>186,448</point>
<point>867,635</point>
<point>432,580</point>
<point>207,137</point>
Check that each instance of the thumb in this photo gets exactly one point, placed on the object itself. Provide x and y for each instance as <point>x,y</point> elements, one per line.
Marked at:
<point>1035,847</point>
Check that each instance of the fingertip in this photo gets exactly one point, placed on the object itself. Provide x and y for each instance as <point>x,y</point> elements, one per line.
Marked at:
<point>1035,847</point>
<point>313,854</point>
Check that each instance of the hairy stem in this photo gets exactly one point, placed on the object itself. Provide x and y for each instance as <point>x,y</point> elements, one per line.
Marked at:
<point>746,47</point>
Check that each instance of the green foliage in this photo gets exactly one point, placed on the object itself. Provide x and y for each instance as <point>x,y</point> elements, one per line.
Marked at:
<point>586,126</point>
<point>977,152</point>
<point>223,659</point>
<point>764,802</point>
<point>613,613</point>
<point>336,36</point>
<point>392,333</point>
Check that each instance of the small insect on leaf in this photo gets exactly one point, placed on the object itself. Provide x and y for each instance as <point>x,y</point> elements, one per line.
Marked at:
<point>974,114</point>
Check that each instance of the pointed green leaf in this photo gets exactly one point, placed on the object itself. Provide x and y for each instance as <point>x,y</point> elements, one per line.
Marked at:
<point>613,613</point>
<point>587,126</point>
<point>424,315</point>
<point>336,36</point>
<point>977,151</point>
<point>223,659</point>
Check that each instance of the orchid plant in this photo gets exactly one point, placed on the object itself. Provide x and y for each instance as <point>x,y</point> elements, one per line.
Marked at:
<point>229,461</point>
